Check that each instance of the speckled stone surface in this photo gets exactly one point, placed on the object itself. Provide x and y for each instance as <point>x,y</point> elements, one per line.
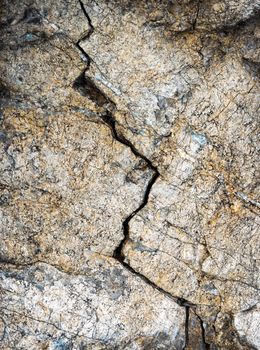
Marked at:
<point>129,175</point>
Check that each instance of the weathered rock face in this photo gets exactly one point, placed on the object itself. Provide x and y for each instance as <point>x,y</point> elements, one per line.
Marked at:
<point>48,309</point>
<point>129,175</point>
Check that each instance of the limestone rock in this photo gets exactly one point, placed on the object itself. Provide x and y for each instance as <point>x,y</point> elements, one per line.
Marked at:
<point>62,17</point>
<point>129,175</point>
<point>51,174</point>
<point>107,308</point>
<point>247,324</point>
<point>215,14</point>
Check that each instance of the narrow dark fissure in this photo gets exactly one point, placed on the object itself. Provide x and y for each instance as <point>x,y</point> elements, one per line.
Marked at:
<point>110,121</point>
<point>203,344</point>
<point>87,87</point>
<point>206,346</point>
<point>187,317</point>
<point>118,253</point>
<point>86,36</point>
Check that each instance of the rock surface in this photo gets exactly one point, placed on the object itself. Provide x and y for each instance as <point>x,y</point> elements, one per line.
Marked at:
<point>129,174</point>
<point>49,309</point>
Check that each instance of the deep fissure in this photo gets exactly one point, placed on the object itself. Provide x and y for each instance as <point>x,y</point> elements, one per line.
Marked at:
<point>109,120</point>
<point>206,346</point>
<point>187,319</point>
<point>87,86</point>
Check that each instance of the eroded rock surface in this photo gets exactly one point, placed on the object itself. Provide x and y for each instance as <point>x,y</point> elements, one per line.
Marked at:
<point>49,309</point>
<point>129,175</point>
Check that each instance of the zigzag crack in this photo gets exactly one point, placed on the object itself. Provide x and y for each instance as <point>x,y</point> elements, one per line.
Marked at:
<point>87,87</point>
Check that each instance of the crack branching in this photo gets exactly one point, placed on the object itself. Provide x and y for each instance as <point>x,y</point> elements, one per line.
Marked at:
<point>88,88</point>
<point>118,252</point>
<point>206,346</point>
<point>111,122</point>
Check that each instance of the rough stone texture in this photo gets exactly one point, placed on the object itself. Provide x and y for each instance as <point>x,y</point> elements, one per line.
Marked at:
<point>247,324</point>
<point>49,309</point>
<point>129,174</point>
<point>51,172</point>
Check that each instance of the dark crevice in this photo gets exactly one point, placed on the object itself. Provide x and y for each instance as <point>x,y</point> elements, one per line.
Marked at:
<point>118,252</point>
<point>88,18</point>
<point>87,87</point>
<point>85,36</point>
<point>111,122</point>
<point>86,57</point>
<point>205,345</point>
<point>187,316</point>
<point>202,341</point>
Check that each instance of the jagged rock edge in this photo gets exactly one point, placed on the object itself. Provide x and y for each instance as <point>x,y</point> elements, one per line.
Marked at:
<point>108,119</point>
<point>118,254</point>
